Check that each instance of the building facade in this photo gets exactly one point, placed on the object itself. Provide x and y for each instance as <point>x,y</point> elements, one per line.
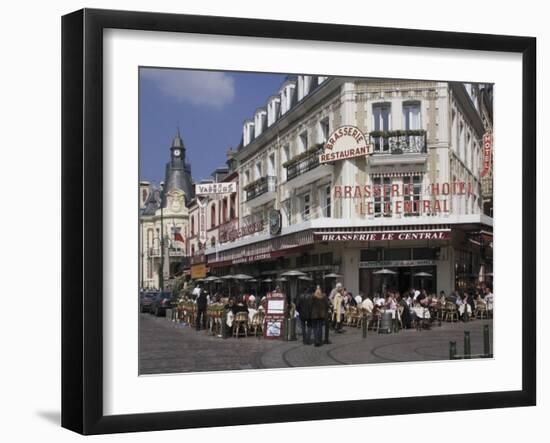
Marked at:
<point>412,212</point>
<point>164,221</point>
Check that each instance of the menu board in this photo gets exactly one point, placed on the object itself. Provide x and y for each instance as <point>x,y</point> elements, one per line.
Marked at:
<point>275,314</point>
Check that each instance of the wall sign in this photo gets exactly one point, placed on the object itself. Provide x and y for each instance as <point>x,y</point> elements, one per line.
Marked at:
<point>396,263</point>
<point>487,153</point>
<point>345,142</point>
<point>382,236</point>
<point>216,188</point>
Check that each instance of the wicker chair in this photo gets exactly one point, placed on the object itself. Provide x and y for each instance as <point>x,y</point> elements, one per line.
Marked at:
<point>451,312</point>
<point>257,324</point>
<point>240,324</point>
<point>481,310</point>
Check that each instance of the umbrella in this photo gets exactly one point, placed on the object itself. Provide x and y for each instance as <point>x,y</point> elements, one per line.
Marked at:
<point>422,274</point>
<point>242,277</point>
<point>293,273</point>
<point>333,275</point>
<point>267,280</point>
<point>385,271</point>
<point>227,277</point>
<point>281,279</point>
<point>305,277</point>
<point>211,278</point>
<point>253,280</point>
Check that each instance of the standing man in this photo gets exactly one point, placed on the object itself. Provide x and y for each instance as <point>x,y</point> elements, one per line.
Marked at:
<point>319,311</point>
<point>303,306</point>
<point>202,303</point>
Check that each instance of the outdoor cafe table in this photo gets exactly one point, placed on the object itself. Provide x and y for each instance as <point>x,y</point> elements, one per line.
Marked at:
<point>421,312</point>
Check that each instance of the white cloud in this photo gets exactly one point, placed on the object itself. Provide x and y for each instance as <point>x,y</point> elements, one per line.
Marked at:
<point>205,88</point>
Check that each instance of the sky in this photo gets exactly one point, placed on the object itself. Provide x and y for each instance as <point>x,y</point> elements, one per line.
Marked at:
<point>208,106</point>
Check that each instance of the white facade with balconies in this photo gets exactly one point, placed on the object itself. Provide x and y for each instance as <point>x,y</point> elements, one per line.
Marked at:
<point>425,135</point>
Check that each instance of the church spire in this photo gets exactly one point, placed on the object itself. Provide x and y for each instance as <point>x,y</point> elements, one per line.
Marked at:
<point>177,142</point>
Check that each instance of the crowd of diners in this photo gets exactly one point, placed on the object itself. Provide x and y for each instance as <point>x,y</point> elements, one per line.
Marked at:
<point>314,310</point>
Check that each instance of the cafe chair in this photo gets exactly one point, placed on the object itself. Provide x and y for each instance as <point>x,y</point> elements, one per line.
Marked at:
<point>451,312</point>
<point>481,310</point>
<point>257,324</point>
<point>240,325</point>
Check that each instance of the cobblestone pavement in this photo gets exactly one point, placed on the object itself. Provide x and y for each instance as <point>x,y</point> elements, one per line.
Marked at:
<point>168,347</point>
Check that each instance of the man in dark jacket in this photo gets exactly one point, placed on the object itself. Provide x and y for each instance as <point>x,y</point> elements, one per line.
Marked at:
<point>303,306</point>
<point>202,303</point>
<point>319,314</point>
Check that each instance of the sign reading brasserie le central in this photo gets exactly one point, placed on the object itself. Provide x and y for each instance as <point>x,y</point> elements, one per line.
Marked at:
<point>345,142</point>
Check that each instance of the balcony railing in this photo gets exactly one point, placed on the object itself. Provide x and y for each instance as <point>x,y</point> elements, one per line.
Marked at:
<point>399,142</point>
<point>261,186</point>
<point>306,164</point>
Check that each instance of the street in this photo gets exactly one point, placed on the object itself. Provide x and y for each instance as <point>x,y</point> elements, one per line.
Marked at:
<point>169,347</point>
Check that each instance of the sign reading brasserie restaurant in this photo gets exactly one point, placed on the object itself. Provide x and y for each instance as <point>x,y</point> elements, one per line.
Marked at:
<point>345,142</point>
<point>215,188</point>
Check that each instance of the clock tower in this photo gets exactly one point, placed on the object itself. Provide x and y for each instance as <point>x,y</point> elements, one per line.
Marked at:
<point>178,171</point>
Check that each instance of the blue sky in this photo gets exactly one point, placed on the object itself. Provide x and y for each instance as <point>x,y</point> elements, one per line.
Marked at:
<point>208,106</point>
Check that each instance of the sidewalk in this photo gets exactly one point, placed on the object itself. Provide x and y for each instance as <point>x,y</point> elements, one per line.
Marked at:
<point>167,347</point>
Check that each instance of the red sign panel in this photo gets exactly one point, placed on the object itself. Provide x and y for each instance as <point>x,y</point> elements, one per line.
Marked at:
<point>382,236</point>
<point>487,153</point>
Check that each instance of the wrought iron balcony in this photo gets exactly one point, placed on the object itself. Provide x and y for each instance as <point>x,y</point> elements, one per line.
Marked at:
<point>303,164</point>
<point>261,186</point>
<point>399,142</point>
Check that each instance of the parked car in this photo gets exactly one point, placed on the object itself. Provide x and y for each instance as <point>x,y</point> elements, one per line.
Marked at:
<point>161,301</point>
<point>146,300</point>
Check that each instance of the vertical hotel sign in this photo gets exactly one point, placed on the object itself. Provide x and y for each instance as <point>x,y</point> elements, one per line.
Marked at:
<point>202,220</point>
<point>487,153</point>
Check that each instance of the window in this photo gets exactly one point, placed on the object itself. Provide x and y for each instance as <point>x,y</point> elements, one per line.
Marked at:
<point>271,165</point>
<point>287,208</point>
<point>306,206</point>
<point>327,259</point>
<point>232,206</point>
<point>213,215</point>
<point>324,130</point>
<point>397,254</point>
<point>370,255</point>
<point>460,142</point>
<point>303,141</point>
<point>411,115</point>
<point>326,200</point>
<point>413,191</point>
<point>381,116</point>
<point>224,210</point>
<point>213,241</point>
<point>258,169</point>
<point>382,199</point>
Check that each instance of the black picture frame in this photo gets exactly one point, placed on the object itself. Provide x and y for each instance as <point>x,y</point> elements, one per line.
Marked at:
<point>82,217</point>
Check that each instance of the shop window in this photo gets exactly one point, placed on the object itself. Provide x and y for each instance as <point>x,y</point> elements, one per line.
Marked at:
<point>370,255</point>
<point>423,254</point>
<point>326,258</point>
<point>315,260</point>
<point>397,254</point>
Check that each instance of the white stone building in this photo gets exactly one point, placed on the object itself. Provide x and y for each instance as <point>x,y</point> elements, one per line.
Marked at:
<point>426,141</point>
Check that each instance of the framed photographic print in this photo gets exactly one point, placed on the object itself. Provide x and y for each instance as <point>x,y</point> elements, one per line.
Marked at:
<point>254,210</point>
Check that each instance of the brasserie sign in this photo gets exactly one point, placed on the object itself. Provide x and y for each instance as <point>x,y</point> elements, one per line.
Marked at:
<point>345,142</point>
<point>382,236</point>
